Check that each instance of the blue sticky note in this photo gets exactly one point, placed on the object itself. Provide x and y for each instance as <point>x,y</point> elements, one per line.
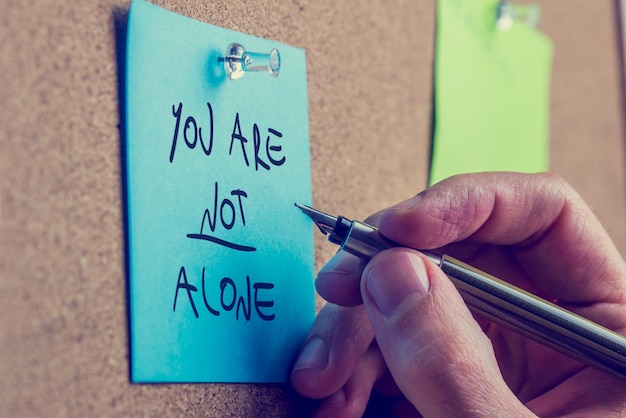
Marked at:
<point>220,260</point>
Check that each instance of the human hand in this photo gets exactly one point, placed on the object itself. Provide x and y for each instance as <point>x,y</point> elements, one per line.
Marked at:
<point>414,341</point>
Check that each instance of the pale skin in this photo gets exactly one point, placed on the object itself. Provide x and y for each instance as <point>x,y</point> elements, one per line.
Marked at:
<point>397,326</point>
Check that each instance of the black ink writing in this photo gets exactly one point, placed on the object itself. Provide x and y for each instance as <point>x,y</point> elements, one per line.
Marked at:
<point>228,212</point>
<point>232,297</point>
<point>260,149</point>
<point>271,152</point>
<point>191,131</point>
<point>187,287</point>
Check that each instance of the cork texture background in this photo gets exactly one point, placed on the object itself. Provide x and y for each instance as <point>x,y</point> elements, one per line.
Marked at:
<point>63,303</point>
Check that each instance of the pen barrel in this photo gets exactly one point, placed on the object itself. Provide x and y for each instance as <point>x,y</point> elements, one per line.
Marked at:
<point>536,318</point>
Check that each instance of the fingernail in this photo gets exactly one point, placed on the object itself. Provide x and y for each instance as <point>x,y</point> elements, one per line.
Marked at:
<point>341,263</point>
<point>395,278</point>
<point>313,356</point>
<point>409,203</point>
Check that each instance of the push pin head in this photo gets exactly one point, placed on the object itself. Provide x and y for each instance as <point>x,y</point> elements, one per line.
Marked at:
<point>237,61</point>
<point>507,13</point>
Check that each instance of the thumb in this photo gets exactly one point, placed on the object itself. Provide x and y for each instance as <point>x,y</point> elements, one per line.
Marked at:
<point>437,353</point>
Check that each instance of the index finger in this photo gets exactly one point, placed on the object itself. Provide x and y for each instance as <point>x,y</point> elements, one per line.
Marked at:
<point>558,242</point>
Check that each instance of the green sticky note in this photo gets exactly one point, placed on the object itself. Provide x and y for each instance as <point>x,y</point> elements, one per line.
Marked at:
<point>491,93</point>
<point>220,261</point>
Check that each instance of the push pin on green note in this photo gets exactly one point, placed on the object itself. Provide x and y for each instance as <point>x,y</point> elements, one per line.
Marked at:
<point>237,61</point>
<point>508,13</point>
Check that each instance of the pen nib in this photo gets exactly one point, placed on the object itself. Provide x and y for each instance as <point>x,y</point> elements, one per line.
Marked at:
<point>325,222</point>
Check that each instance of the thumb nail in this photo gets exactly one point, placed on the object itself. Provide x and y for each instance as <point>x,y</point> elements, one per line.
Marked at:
<point>395,278</point>
<point>409,203</point>
<point>313,356</point>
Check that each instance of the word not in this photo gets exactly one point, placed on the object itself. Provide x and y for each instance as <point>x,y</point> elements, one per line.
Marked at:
<point>227,218</point>
<point>229,301</point>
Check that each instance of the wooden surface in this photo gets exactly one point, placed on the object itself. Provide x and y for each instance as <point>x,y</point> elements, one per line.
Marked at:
<point>63,307</point>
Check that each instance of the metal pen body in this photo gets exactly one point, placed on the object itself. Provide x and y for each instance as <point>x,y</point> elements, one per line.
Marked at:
<point>505,304</point>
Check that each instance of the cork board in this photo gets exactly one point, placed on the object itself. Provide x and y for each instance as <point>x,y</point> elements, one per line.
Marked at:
<point>63,308</point>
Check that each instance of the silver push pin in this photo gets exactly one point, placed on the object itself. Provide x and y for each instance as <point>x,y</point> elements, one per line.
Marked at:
<point>508,13</point>
<point>237,61</point>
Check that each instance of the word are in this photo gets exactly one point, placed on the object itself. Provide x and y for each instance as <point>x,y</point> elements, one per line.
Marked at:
<point>256,138</point>
<point>229,213</point>
<point>267,152</point>
<point>229,300</point>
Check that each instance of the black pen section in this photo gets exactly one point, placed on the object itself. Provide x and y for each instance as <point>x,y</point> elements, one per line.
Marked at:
<point>359,238</point>
<point>341,231</point>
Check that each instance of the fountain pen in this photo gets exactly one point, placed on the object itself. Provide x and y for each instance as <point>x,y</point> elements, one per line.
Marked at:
<point>494,299</point>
